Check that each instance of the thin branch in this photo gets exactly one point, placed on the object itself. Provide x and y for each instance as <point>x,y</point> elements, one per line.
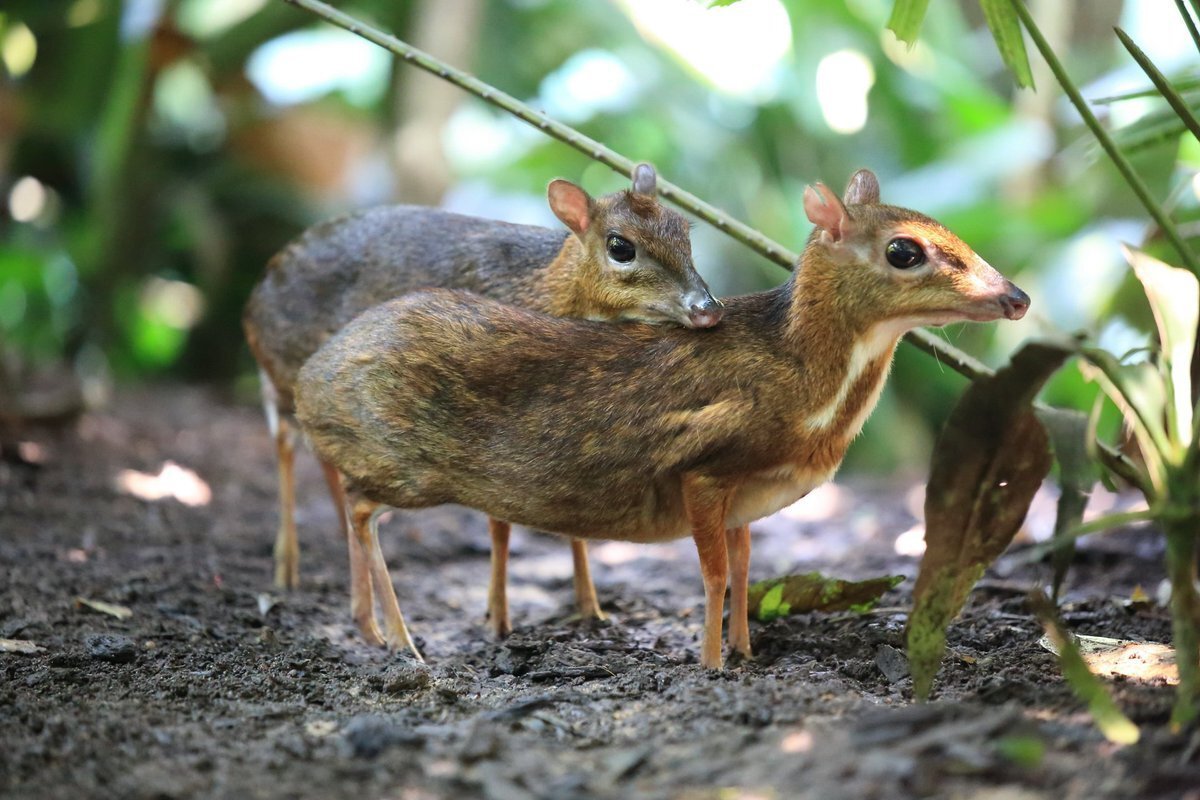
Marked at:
<point>956,359</point>
<point>1106,142</point>
<point>1187,19</point>
<point>1161,83</point>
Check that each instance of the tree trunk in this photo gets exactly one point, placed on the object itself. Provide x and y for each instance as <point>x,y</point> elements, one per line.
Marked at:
<point>448,29</point>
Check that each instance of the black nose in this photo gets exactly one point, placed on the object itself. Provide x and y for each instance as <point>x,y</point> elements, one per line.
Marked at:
<point>1015,303</point>
<point>706,313</point>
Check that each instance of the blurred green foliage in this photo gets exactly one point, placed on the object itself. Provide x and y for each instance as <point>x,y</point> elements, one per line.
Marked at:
<point>167,179</point>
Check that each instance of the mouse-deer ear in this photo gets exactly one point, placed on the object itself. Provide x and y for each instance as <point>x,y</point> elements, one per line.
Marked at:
<point>645,180</point>
<point>826,211</point>
<point>863,188</point>
<point>570,204</point>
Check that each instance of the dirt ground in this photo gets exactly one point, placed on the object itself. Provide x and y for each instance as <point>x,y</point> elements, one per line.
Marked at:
<point>218,687</point>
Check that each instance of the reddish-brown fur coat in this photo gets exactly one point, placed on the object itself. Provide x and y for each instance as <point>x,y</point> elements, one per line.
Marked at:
<point>588,429</point>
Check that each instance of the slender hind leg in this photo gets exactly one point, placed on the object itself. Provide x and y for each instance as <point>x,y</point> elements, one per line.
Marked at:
<point>706,504</point>
<point>498,586</point>
<point>364,517</point>
<point>287,548</point>
<point>585,590</point>
<point>362,598</point>
<point>737,543</point>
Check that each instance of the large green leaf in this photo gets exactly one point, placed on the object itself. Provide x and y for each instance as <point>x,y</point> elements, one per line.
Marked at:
<point>906,19</point>
<point>1174,296</point>
<point>988,462</point>
<point>1005,25</point>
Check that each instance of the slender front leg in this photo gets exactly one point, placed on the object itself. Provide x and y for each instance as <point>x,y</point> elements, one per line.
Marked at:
<point>364,517</point>
<point>287,549</point>
<point>498,586</point>
<point>737,543</point>
<point>362,599</point>
<point>706,504</point>
<point>585,590</point>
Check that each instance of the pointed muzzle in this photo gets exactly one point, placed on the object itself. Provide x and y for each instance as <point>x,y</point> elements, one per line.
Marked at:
<point>1014,301</point>
<point>703,310</point>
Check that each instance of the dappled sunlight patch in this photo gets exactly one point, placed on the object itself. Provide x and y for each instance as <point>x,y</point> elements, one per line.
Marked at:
<point>911,542</point>
<point>172,481</point>
<point>737,49</point>
<point>614,553</point>
<point>31,452</point>
<point>1140,661</point>
<point>797,742</point>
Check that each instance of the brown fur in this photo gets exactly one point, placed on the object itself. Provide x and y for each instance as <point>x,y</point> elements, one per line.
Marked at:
<point>338,269</point>
<point>624,431</point>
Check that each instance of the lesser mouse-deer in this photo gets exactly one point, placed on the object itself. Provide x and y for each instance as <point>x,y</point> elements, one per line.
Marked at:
<point>624,432</point>
<point>626,257</point>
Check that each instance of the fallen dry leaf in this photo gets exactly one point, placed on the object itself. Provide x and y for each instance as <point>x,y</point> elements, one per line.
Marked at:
<point>1145,661</point>
<point>1115,726</point>
<point>20,646</point>
<point>112,609</point>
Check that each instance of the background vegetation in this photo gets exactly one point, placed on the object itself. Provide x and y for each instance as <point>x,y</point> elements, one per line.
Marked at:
<point>153,155</point>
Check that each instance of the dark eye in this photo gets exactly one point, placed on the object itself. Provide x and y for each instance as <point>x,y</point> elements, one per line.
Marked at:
<point>904,253</point>
<point>620,250</point>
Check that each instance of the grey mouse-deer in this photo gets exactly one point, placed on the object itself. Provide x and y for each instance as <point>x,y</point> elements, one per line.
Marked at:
<point>625,257</point>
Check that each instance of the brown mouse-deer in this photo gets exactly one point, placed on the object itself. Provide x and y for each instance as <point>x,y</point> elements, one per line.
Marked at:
<point>627,433</point>
<point>625,257</point>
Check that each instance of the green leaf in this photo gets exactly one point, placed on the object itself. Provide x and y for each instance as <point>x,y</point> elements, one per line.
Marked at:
<point>1115,726</point>
<point>1005,25</point>
<point>1069,436</point>
<point>812,591</point>
<point>722,3</point>
<point>1174,296</point>
<point>1181,85</point>
<point>906,19</point>
<point>988,462</point>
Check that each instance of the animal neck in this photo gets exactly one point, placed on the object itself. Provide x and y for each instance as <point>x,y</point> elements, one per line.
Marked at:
<point>566,281</point>
<point>845,350</point>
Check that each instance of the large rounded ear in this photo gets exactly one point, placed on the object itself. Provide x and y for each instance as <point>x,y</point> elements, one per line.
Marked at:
<point>826,212</point>
<point>863,188</point>
<point>645,180</point>
<point>570,204</point>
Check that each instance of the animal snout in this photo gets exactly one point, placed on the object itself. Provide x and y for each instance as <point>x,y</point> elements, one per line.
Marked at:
<point>706,312</point>
<point>1014,302</point>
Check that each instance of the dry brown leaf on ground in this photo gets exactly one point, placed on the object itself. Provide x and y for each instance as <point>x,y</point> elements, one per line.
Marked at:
<point>112,609</point>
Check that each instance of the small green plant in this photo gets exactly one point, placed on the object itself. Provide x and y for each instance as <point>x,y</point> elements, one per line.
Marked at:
<point>1153,390</point>
<point>1155,396</point>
